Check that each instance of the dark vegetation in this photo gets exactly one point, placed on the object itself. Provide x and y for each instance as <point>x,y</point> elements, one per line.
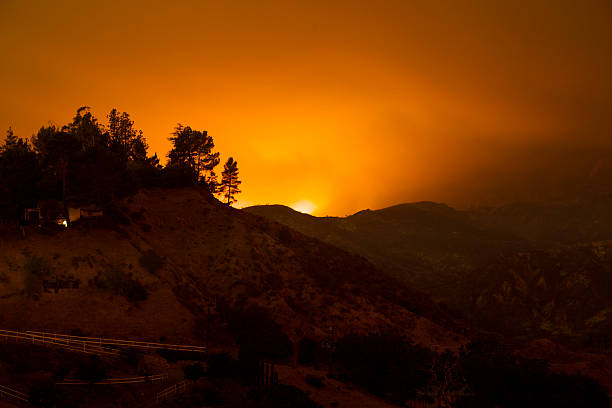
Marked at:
<point>385,365</point>
<point>89,163</point>
<point>151,261</point>
<point>482,374</point>
<point>115,279</point>
<point>35,269</point>
<point>496,378</point>
<point>256,333</point>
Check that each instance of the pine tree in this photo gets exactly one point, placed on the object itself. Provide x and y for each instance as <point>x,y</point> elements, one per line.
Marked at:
<point>86,130</point>
<point>57,150</point>
<point>229,181</point>
<point>192,151</point>
<point>10,139</point>
<point>124,140</point>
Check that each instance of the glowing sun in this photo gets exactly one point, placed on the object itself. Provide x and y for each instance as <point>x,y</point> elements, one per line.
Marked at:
<point>304,206</point>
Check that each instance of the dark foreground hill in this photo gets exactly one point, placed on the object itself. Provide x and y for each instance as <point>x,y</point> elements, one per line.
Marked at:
<point>186,248</point>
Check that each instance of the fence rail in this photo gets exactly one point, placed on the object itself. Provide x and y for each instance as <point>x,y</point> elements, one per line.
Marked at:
<point>94,344</point>
<point>11,393</point>
<point>100,341</point>
<point>49,339</point>
<point>171,391</point>
<point>111,381</point>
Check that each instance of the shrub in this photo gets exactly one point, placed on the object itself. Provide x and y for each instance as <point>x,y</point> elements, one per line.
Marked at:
<point>194,371</point>
<point>284,235</point>
<point>257,334</point>
<point>35,269</point>
<point>130,356</point>
<point>116,280</point>
<point>384,364</point>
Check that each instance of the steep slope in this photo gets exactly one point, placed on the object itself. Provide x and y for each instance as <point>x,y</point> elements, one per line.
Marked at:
<point>559,293</point>
<point>524,269</point>
<point>210,252</point>
<point>427,245</point>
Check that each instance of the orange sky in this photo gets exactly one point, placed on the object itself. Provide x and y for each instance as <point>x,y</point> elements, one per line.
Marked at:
<point>349,105</point>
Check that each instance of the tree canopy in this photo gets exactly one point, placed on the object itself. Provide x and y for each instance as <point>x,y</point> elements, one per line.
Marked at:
<point>229,181</point>
<point>85,162</point>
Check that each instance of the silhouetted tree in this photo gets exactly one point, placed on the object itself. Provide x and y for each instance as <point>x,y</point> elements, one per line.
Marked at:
<point>10,139</point>
<point>85,129</point>
<point>128,142</point>
<point>19,175</point>
<point>192,151</point>
<point>229,181</point>
<point>57,150</point>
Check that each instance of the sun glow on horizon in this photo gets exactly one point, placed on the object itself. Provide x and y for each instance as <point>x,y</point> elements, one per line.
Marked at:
<point>304,206</point>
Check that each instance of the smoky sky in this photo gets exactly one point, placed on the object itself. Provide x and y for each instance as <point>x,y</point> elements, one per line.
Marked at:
<point>349,105</point>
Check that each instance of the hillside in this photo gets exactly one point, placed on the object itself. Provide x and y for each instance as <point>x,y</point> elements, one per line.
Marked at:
<point>154,266</point>
<point>209,252</point>
<point>562,293</point>
<point>408,241</point>
<point>524,269</point>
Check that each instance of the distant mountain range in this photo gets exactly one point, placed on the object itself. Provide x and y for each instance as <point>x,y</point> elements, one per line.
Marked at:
<point>522,268</point>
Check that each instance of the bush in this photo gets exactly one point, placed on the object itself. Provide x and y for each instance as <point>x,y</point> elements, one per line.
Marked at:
<point>257,334</point>
<point>151,261</point>
<point>194,371</point>
<point>35,269</point>
<point>130,356</point>
<point>385,365</point>
<point>116,280</point>
<point>284,235</point>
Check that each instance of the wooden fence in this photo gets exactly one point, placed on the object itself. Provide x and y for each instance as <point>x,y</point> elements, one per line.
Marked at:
<point>98,345</point>
<point>171,391</point>
<point>114,381</point>
<point>101,342</point>
<point>11,394</point>
<point>48,339</point>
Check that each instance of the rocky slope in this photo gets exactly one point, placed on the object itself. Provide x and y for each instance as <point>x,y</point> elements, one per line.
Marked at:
<point>560,293</point>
